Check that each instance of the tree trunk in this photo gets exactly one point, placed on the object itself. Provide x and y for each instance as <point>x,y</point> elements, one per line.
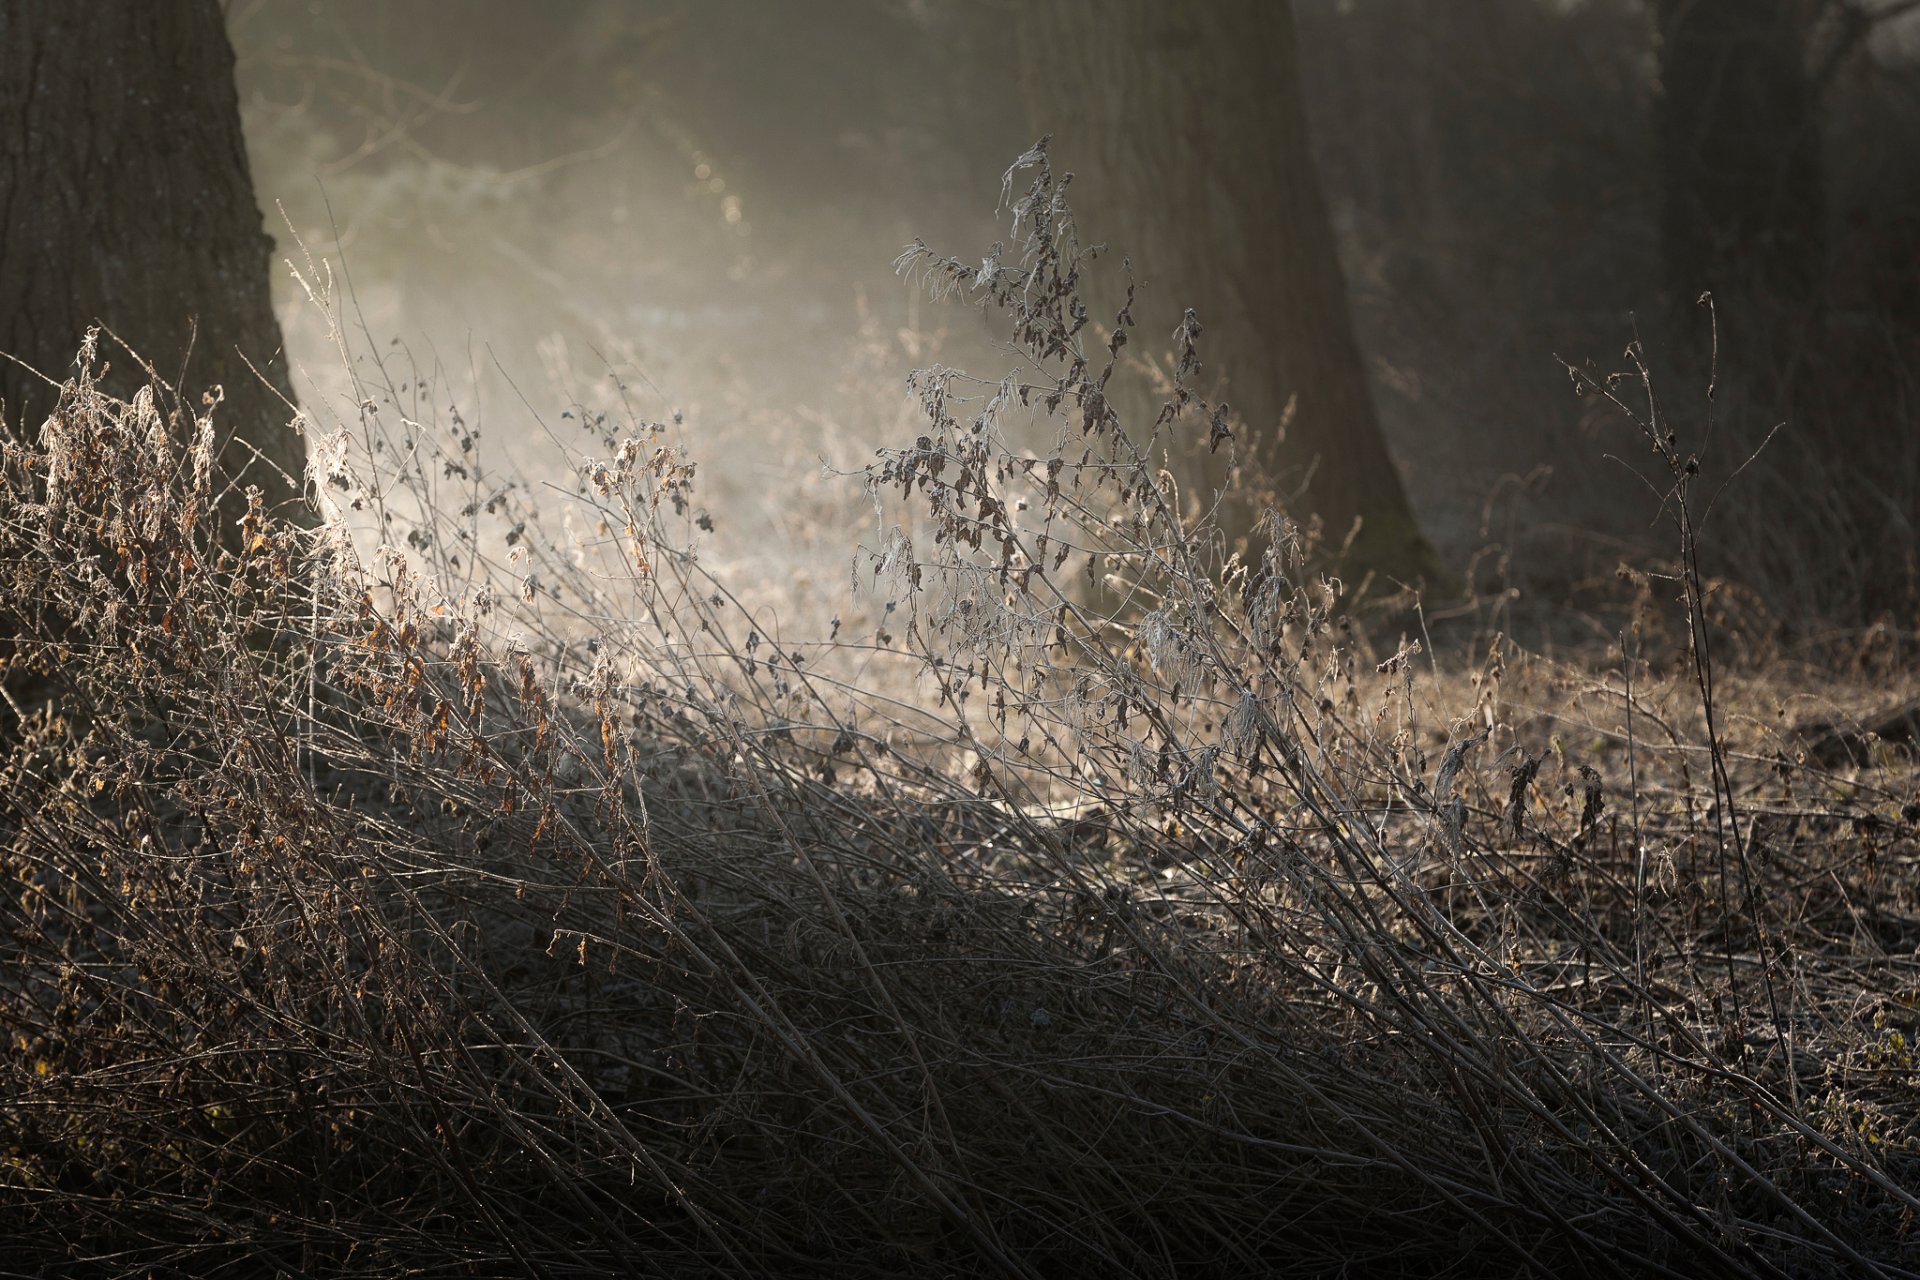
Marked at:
<point>1186,125</point>
<point>1745,203</point>
<point>125,200</point>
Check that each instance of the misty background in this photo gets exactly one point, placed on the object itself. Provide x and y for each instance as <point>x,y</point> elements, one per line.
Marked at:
<point>703,201</point>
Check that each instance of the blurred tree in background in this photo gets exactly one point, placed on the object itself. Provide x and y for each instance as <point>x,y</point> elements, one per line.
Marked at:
<point>1513,179</point>
<point>1186,125</point>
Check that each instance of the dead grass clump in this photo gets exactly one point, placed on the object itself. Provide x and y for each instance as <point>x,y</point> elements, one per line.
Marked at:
<point>501,900</point>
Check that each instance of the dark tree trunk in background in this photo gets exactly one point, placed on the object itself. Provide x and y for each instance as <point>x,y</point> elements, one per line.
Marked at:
<point>1745,200</point>
<point>1185,125</point>
<point>125,200</point>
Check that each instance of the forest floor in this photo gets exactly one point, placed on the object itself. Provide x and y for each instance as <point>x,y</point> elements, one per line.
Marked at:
<point>363,927</point>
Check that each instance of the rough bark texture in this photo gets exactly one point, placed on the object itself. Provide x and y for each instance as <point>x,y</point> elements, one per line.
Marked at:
<point>1185,127</point>
<point>1745,201</point>
<point>125,200</point>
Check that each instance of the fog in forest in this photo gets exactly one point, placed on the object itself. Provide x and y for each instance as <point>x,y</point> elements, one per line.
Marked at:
<point>704,201</point>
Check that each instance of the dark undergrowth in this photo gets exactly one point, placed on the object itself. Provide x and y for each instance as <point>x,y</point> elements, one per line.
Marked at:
<point>1097,899</point>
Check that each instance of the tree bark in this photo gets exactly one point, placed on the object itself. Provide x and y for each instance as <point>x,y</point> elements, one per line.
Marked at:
<point>1186,126</point>
<point>126,201</point>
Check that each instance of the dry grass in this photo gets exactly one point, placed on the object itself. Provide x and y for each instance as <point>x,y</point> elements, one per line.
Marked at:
<point>1098,899</point>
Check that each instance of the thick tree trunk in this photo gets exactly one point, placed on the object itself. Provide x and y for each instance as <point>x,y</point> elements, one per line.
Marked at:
<point>1187,130</point>
<point>1745,203</point>
<point>125,200</point>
